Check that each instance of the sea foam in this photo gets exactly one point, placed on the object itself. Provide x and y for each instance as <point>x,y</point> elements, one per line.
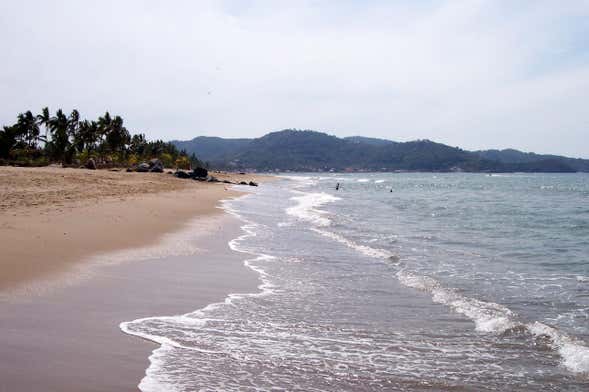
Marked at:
<point>156,377</point>
<point>366,250</point>
<point>307,207</point>
<point>495,318</point>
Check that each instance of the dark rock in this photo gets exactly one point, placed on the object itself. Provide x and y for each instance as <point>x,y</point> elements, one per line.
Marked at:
<point>182,174</point>
<point>91,164</point>
<point>200,172</point>
<point>253,183</point>
<point>243,183</point>
<point>156,166</point>
<point>227,182</point>
<point>130,170</point>
<point>143,167</point>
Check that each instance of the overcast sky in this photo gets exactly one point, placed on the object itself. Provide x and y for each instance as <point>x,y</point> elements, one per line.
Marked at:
<point>474,74</point>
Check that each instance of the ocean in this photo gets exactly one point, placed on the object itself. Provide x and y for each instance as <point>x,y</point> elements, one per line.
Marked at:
<point>396,281</point>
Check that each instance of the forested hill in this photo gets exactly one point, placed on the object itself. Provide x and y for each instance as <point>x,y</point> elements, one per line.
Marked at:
<point>293,150</point>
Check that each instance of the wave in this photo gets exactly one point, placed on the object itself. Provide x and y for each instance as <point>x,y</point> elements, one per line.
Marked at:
<point>495,318</point>
<point>307,207</point>
<point>575,355</point>
<point>489,317</point>
<point>366,250</point>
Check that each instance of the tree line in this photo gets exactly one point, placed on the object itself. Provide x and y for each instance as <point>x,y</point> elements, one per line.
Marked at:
<point>38,140</point>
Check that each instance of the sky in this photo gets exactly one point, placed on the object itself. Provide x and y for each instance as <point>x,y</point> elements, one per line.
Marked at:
<point>475,74</point>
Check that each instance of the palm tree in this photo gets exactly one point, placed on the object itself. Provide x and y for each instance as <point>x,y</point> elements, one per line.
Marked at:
<point>73,122</point>
<point>104,124</point>
<point>8,139</point>
<point>60,142</point>
<point>87,136</point>
<point>137,144</point>
<point>118,137</point>
<point>43,119</point>
<point>28,128</point>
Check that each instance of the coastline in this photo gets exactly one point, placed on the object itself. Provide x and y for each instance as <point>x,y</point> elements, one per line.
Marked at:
<point>53,219</point>
<point>67,338</point>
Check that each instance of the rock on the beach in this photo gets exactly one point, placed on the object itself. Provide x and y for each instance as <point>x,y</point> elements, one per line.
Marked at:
<point>200,172</point>
<point>243,183</point>
<point>91,164</point>
<point>182,174</point>
<point>143,167</point>
<point>156,166</point>
<point>253,183</point>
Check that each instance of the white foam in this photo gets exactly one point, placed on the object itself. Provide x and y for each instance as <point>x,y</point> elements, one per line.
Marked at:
<point>363,180</point>
<point>307,207</point>
<point>487,316</point>
<point>378,181</point>
<point>155,379</point>
<point>575,355</point>
<point>366,250</point>
<point>153,383</point>
<point>495,318</point>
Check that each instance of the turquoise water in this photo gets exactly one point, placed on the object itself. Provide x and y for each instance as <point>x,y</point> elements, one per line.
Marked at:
<point>406,281</point>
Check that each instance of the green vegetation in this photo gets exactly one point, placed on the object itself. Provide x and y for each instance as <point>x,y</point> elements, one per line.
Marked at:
<point>307,151</point>
<point>37,140</point>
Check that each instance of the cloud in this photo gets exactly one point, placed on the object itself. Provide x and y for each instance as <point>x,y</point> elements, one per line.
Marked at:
<point>476,74</point>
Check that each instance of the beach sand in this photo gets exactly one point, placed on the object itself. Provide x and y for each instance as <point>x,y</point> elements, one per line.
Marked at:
<point>52,218</point>
<point>65,336</point>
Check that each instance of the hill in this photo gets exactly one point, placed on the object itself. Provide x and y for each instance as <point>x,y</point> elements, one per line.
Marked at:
<point>212,148</point>
<point>510,156</point>
<point>294,150</point>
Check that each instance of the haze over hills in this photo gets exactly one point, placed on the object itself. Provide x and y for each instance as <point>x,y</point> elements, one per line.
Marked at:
<point>295,150</point>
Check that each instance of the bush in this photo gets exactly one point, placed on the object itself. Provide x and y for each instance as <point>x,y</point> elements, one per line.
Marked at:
<point>167,159</point>
<point>183,163</point>
<point>132,160</point>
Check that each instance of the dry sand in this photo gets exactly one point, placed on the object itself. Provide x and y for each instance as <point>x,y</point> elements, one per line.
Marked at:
<point>52,218</point>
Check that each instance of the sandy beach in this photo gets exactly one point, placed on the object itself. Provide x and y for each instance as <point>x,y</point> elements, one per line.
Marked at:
<point>53,220</point>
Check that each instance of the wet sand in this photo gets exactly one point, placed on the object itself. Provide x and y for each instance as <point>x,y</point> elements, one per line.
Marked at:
<point>69,339</point>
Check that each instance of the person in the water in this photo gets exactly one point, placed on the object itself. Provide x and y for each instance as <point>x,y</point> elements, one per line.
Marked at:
<point>337,187</point>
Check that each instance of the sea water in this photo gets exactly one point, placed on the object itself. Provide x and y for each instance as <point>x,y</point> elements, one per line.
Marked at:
<point>400,281</point>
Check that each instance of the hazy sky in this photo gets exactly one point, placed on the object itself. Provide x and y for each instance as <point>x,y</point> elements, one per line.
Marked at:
<point>474,74</point>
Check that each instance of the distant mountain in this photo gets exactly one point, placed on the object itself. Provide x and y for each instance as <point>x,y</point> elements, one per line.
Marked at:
<point>369,140</point>
<point>293,150</point>
<point>210,149</point>
<point>515,156</point>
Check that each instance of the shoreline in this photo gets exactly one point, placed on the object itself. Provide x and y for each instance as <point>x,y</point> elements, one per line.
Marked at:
<point>65,336</point>
<point>53,219</point>
<point>70,339</point>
